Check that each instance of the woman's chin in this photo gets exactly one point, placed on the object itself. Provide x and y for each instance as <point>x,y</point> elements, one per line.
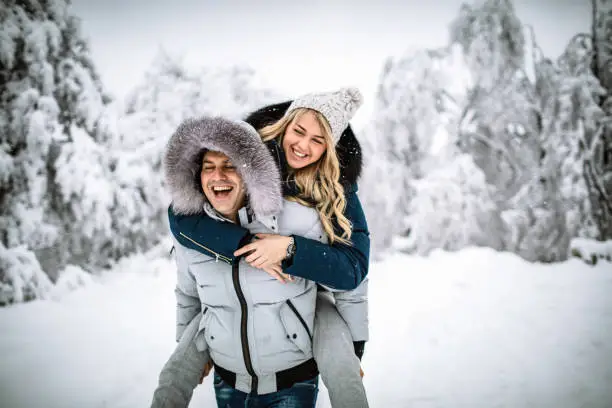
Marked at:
<point>297,164</point>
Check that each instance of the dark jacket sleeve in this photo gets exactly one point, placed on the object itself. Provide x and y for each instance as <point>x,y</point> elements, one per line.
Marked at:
<point>208,236</point>
<point>338,266</point>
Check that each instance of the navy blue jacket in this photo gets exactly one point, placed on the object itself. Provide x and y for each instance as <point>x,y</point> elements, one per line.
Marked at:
<point>338,266</point>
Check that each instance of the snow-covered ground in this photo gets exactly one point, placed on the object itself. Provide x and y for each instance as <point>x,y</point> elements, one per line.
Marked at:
<point>469,329</point>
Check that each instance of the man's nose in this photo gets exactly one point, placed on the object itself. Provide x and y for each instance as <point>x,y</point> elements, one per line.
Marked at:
<point>219,174</point>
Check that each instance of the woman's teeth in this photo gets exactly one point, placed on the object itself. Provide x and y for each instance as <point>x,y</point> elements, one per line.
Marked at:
<point>298,154</point>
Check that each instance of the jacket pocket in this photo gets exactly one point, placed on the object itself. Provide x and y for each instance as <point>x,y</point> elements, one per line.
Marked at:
<point>218,337</point>
<point>297,323</point>
<point>199,338</point>
<point>300,318</point>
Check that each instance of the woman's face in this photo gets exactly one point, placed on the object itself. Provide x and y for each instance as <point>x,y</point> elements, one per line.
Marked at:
<point>304,142</point>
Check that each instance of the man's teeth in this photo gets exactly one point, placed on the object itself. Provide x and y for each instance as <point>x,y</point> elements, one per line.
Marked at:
<point>298,154</point>
<point>221,188</point>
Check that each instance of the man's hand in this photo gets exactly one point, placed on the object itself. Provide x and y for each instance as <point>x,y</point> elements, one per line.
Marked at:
<point>267,250</point>
<point>361,372</point>
<point>206,371</point>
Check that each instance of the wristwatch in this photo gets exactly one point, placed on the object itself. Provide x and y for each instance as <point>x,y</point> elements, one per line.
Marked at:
<point>290,249</point>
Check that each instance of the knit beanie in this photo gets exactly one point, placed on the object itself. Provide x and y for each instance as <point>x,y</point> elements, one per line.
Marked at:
<point>338,107</point>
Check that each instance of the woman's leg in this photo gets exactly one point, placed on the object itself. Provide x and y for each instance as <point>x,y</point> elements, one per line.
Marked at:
<point>182,372</point>
<point>334,352</point>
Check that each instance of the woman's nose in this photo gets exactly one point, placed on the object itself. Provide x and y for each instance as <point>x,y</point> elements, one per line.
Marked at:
<point>303,143</point>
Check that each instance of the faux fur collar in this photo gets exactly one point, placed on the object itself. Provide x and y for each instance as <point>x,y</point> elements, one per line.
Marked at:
<point>241,143</point>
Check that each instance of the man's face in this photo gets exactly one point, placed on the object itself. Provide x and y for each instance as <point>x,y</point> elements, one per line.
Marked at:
<point>222,185</point>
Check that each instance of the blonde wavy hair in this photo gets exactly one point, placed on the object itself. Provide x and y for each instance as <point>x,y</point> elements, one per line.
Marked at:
<point>318,182</point>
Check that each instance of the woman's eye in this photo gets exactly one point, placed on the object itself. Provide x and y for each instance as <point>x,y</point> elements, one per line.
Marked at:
<point>299,132</point>
<point>317,141</point>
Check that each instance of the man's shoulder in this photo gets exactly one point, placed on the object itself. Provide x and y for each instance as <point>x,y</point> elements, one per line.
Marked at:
<point>191,256</point>
<point>298,219</point>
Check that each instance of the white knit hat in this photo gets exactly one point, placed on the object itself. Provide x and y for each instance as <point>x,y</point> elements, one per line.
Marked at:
<point>338,107</point>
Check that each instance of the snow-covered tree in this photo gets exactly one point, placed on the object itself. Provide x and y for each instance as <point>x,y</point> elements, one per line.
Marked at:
<point>81,179</point>
<point>536,218</point>
<point>419,102</point>
<point>56,183</point>
<point>602,38</point>
<point>44,71</point>
<point>502,127</point>
<point>453,208</point>
<point>171,92</point>
<point>572,123</point>
<point>492,38</point>
<point>599,171</point>
<point>22,276</point>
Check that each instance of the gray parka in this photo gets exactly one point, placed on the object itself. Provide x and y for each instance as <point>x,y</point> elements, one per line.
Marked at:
<point>251,324</point>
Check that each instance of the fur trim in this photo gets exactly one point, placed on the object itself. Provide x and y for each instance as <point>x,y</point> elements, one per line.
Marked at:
<point>348,147</point>
<point>241,143</point>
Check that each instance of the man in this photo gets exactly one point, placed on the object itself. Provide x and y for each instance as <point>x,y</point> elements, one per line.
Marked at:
<point>258,332</point>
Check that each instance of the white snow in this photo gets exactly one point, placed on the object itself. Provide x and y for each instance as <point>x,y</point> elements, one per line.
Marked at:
<point>475,328</point>
<point>591,251</point>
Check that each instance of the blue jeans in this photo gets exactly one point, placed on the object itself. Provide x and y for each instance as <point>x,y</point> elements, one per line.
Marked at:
<point>300,395</point>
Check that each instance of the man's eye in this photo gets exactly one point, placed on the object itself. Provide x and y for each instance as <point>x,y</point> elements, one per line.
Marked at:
<point>230,167</point>
<point>209,168</point>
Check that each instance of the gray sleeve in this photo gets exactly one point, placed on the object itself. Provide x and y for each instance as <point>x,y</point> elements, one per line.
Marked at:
<point>353,307</point>
<point>188,303</point>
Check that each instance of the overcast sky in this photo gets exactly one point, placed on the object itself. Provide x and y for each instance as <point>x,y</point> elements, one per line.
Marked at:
<point>298,47</point>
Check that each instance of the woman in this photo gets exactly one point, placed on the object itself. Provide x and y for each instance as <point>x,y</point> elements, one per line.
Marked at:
<point>311,139</point>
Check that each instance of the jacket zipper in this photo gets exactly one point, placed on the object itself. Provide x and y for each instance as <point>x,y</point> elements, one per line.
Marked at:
<point>217,256</point>
<point>300,318</point>
<point>246,352</point>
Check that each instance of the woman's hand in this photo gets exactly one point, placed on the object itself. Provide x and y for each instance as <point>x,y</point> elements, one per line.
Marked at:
<point>276,271</point>
<point>265,251</point>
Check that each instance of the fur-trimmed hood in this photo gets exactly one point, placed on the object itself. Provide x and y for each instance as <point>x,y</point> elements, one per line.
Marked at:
<point>348,147</point>
<point>237,140</point>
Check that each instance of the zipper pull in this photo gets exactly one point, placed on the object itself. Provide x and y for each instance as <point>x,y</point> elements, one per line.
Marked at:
<point>216,257</point>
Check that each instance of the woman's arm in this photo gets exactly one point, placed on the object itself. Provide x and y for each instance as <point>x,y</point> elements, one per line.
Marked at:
<point>208,236</point>
<point>338,266</point>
